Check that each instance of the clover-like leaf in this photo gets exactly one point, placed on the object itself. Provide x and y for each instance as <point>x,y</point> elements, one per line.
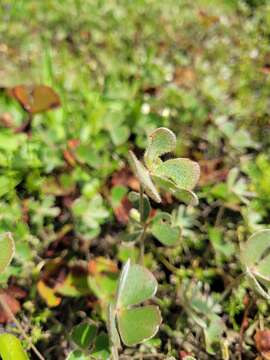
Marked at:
<point>164,231</point>
<point>138,324</point>
<point>135,324</point>
<point>7,250</point>
<point>255,257</point>
<point>136,285</point>
<point>161,141</point>
<point>183,172</point>
<point>144,178</point>
<point>84,334</point>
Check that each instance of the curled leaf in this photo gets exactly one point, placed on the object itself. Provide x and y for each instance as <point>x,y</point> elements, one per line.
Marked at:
<point>161,141</point>
<point>144,178</point>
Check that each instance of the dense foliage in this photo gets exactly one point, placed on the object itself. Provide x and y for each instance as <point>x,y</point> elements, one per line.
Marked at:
<point>123,69</point>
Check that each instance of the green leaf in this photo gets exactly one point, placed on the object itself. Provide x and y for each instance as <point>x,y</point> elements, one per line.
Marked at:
<point>138,324</point>
<point>7,250</point>
<point>144,178</point>
<point>255,257</point>
<point>77,355</point>
<point>112,330</point>
<point>254,249</point>
<point>83,335</point>
<point>102,347</point>
<point>136,285</point>
<point>187,196</point>
<point>161,141</point>
<point>11,348</point>
<point>183,172</point>
<point>134,198</point>
<point>213,333</point>
<point>163,231</point>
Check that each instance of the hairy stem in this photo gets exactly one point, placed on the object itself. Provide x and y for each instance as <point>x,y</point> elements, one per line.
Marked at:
<point>6,308</point>
<point>114,352</point>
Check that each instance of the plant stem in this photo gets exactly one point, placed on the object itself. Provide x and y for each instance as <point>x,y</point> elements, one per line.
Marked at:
<point>114,352</point>
<point>144,225</point>
<point>6,308</point>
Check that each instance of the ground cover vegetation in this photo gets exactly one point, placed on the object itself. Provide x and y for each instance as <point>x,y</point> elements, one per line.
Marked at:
<point>134,179</point>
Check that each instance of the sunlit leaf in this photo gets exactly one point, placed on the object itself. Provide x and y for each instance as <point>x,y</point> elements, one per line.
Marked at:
<point>144,178</point>
<point>161,141</point>
<point>183,172</point>
<point>48,294</point>
<point>138,324</point>
<point>136,285</point>
<point>7,250</point>
<point>11,348</point>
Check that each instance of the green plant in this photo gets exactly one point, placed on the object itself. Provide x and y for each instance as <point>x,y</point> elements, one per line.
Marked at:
<point>255,258</point>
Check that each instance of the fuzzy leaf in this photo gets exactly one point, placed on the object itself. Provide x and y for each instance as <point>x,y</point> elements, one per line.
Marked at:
<point>136,285</point>
<point>161,141</point>
<point>138,324</point>
<point>144,178</point>
<point>183,172</point>
<point>7,250</point>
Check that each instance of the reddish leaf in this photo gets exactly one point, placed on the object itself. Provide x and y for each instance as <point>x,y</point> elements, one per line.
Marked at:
<point>12,302</point>
<point>126,178</point>
<point>262,340</point>
<point>36,98</point>
<point>212,171</point>
<point>122,211</point>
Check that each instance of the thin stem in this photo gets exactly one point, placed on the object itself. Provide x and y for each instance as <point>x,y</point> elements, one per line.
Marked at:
<point>114,352</point>
<point>6,308</point>
<point>144,225</point>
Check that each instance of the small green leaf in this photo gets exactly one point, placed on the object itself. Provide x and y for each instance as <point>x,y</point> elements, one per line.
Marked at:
<point>136,285</point>
<point>144,178</point>
<point>163,231</point>
<point>161,141</point>
<point>138,324</point>
<point>183,172</point>
<point>255,257</point>
<point>7,250</point>
<point>102,347</point>
<point>11,348</point>
<point>83,335</point>
<point>213,333</point>
<point>134,198</point>
<point>77,355</point>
